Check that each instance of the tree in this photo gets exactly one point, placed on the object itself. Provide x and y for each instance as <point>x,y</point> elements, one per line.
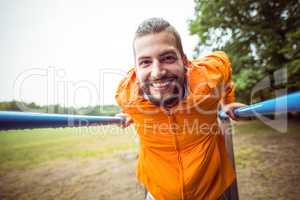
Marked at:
<point>260,36</point>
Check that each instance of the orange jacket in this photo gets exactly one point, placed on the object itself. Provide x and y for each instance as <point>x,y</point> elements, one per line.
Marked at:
<point>182,154</point>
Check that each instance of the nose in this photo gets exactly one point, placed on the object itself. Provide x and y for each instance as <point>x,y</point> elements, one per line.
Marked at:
<point>157,70</point>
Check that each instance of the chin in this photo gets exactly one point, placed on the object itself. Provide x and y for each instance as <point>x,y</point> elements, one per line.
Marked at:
<point>160,99</point>
<point>159,96</point>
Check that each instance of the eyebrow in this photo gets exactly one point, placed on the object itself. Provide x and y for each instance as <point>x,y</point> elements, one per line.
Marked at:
<point>167,53</point>
<point>161,55</point>
<point>144,57</point>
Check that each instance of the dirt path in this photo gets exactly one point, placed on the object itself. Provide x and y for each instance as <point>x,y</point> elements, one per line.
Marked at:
<point>268,165</point>
<point>106,178</point>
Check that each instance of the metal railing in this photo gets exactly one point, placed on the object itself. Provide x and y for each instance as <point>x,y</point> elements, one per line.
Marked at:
<point>10,120</point>
<point>283,104</point>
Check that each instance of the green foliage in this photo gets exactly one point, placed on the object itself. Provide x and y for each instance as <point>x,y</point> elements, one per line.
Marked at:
<point>11,105</point>
<point>259,36</point>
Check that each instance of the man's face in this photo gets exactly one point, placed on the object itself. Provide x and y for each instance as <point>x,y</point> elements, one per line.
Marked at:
<point>160,68</point>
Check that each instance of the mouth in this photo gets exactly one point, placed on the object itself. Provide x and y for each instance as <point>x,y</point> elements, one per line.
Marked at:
<point>161,85</point>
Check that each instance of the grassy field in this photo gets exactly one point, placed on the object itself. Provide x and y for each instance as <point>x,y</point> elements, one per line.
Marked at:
<point>99,163</point>
<point>24,149</point>
<point>69,163</point>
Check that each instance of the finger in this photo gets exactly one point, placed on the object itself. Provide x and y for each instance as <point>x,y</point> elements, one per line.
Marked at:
<point>123,122</point>
<point>128,122</point>
<point>231,114</point>
<point>240,105</point>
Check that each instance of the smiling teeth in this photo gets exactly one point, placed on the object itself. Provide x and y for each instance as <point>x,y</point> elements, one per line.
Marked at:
<point>160,84</point>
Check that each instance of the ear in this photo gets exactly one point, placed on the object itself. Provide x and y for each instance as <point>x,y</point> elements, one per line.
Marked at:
<point>184,59</point>
<point>185,62</point>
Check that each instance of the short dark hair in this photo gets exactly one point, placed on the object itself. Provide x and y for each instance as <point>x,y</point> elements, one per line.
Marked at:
<point>158,25</point>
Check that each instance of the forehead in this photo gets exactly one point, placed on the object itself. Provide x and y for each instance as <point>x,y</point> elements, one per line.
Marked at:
<point>154,44</point>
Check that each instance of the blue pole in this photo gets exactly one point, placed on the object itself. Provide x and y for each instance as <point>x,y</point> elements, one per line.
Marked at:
<point>283,104</point>
<point>22,120</point>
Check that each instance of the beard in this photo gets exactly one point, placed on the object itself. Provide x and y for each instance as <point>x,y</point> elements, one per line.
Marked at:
<point>165,99</point>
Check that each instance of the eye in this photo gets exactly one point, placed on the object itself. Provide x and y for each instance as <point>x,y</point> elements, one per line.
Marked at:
<point>169,59</point>
<point>144,63</point>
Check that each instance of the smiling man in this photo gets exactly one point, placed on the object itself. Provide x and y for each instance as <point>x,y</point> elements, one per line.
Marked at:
<point>173,104</point>
<point>161,67</point>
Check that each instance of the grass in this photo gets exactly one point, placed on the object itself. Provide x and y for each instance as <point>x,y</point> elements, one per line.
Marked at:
<point>258,127</point>
<point>252,131</point>
<point>267,161</point>
<point>23,149</point>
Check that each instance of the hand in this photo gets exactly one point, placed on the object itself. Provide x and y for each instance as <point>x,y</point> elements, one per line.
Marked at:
<point>127,118</point>
<point>229,109</point>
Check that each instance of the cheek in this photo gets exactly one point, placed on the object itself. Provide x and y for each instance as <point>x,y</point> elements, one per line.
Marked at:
<point>176,70</point>
<point>142,74</point>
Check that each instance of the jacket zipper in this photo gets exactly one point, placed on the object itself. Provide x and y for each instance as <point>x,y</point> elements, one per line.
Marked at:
<point>172,120</point>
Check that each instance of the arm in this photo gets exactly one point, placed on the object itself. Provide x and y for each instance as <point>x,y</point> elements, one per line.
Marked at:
<point>228,97</point>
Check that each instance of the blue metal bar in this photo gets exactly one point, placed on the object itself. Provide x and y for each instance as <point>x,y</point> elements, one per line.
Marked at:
<point>283,104</point>
<point>22,120</point>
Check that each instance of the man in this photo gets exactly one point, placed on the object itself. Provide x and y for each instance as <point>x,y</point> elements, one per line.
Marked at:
<point>173,103</point>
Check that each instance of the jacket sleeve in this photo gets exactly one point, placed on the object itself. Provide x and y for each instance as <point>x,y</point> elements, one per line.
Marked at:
<point>222,62</point>
<point>119,94</point>
<point>125,92</point>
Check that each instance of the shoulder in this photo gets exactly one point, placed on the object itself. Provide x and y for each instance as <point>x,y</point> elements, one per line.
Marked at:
<point>127,79</point>
<point>214,66</point>
<point>216,59</point>
<point>127,88</point>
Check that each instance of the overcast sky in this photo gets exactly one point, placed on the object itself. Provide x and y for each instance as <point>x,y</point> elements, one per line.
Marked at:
<point>74,52</point>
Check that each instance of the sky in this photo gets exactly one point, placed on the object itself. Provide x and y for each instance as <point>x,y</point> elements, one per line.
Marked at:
<point>73,52</point>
